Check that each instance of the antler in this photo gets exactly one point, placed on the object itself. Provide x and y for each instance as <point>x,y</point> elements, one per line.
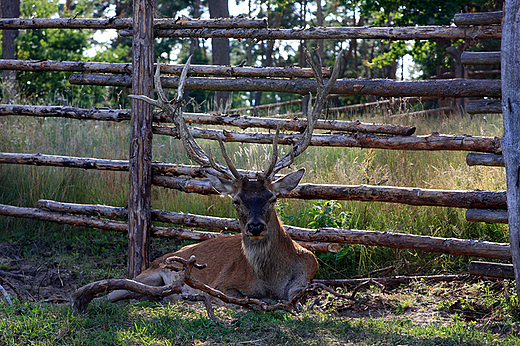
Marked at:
<point>174,113</point>
<point>313,113</point>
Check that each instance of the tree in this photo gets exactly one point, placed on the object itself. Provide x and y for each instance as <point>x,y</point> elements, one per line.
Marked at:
<point>9,9</point>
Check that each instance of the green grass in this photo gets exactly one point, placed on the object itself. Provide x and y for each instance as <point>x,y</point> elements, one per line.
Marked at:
<point>177,324</point>
<point>93,255</point>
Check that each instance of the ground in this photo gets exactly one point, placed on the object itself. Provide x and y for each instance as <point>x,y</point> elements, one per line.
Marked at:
<point>484,305</point>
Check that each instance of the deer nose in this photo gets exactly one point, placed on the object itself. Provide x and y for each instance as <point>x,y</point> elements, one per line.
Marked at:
<point>256,228</point>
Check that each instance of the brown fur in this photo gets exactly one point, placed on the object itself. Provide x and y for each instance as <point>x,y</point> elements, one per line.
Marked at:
<point>270,267</point>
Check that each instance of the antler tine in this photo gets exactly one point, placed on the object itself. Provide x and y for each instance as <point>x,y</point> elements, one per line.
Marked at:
<point>174,113</point>
<point>312,115</point>
<point>274,156</point>
<point>229,163</point>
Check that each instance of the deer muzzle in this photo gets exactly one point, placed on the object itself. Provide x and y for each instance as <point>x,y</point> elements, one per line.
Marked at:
<point>256,230</point>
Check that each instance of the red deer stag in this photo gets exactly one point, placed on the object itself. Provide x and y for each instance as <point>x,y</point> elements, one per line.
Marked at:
<point>262,262</point>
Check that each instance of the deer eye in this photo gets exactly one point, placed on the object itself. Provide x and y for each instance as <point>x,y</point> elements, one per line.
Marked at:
<point>236,203</point>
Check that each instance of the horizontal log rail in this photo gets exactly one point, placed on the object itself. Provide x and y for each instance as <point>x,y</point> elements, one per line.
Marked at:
<point>434,141</point>
<point>484,107</point>
<point>377,87</point>
<point>392,280</point>
<point>490,269</point>
<point>484,18</point>
<point>126,23</point>
<point>126,68</point>
<point>367,193</point>
<point>199,118</point>
<point>487,215</point>
<point>479,159</point>
<point>480,58</point>
<point>181,219</point>
<point>476,248</point>
<point>338,33</point>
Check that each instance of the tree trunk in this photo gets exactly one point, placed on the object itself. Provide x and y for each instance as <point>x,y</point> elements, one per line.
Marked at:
<point>9,9</point>
<point>140,163</point>
<point>511,111</point>
<point>220,50</point>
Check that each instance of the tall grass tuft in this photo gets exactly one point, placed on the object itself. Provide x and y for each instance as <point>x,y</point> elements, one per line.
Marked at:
<point>24,185</point>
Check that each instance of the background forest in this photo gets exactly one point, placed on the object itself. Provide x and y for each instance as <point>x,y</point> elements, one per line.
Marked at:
<point>364,58</point>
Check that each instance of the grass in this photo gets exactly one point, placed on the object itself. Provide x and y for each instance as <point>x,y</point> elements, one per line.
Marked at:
<point>177,324</point>
<point>90,255</point>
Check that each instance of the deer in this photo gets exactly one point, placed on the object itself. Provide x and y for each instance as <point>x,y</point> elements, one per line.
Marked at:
<point>262,261</point>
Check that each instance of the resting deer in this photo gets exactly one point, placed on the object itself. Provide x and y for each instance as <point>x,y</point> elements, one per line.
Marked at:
<point>262,262</point>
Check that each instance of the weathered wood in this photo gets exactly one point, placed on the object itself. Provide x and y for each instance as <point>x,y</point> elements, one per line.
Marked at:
<point>511,113</point>
<point>341,33</point>
<point>480,58</point>
<point>463,247</point>
<point>126,23</point>
<point>474,159</point>
<point>487,215</point>
<point>390,281</point>
<point>434,141</point>
<point>490,269</point>
<point>365,193</point>
<point>413,196</point>
<point>140,151</point>
<point>484,18</point>
<point>200,118</point>
<point>377,87</point>
<point>126,68</point>
<point>484,107</point>
<point>427,112</point>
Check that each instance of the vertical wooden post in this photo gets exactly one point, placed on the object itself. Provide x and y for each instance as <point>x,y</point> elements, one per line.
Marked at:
<point>139,214</point>
<point>511,112</point>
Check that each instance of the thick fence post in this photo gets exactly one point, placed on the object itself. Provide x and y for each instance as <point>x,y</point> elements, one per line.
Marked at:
<point>511,111</point>
<point>140,163</point>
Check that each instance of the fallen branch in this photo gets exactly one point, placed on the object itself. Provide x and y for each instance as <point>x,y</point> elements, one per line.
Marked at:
<point>391,281</point>
<point>493,270</point>
<point>84,295</point>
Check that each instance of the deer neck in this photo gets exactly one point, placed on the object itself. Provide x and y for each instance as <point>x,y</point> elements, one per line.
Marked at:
<point>271,253</point>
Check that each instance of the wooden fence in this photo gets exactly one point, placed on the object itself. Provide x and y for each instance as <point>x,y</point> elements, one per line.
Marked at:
<point>137,219</point>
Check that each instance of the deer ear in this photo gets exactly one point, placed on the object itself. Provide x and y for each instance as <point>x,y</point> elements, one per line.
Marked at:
<point>223,186</point>
<point>288,183</point>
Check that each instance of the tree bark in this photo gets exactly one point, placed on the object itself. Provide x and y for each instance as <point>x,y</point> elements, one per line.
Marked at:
<point>511,113</point>
<point>9,9</point>
<point>124,68</point>
<point>480,58</point>
<point>140,163</point>
<point>220,49</point>
<point>340,33</point>
<point>390,281</point>
<point>199,118</point>
<point>489,269</point>
<point>126,23</point>
<point>474,159</point>
<point>461,247</point>
<point>434,141</point>
<point>487,18</point>
<point>366,193</point>
<point>486,215</point>
<point>484,107</point>
<point>376,87</point>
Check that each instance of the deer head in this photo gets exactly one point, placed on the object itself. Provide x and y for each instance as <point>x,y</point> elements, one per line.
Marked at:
<point>253,198</point>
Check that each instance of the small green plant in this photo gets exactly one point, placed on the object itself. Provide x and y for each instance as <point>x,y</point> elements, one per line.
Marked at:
<point>326,214</point>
